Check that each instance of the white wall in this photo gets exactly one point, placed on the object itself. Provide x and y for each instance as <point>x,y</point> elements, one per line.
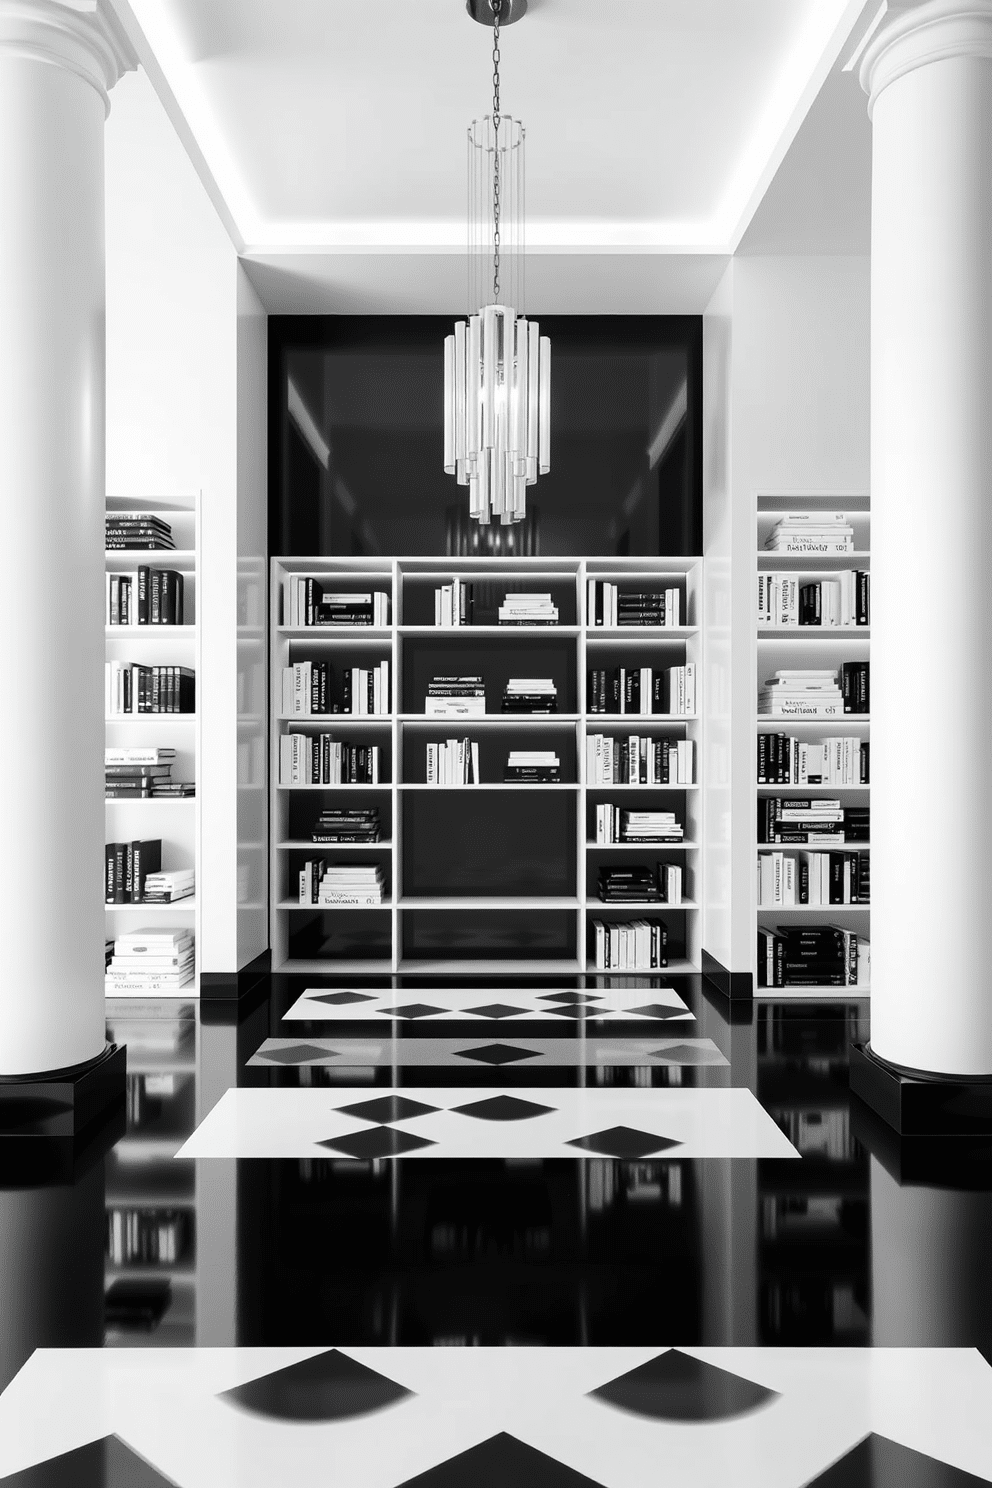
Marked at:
<point>172,426</point>
<point>786,412</point>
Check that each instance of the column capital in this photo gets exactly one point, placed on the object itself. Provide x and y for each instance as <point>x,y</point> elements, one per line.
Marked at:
<point>931,32</point>
<point>82,36</point>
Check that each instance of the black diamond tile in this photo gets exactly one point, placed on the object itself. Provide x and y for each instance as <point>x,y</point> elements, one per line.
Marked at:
<point>623,1141</point>
<point>378,1141</point>
<point>411,1010</point>
<point>570,997</point>
<point>297,1054</point>
<point>876,1461</point>
<point>326,1387</point>
<point>341,999</point>
<point>498,1463</point>
<point>108,1463</point>
<point>685,1054</point>
<point>497,1054</point>
<point>657,1010</point>
<point>677,1387</point>
<point>387,1108</point>
<point>572,1011</point>
<point>497,1010</point>
<point>503,1108</point>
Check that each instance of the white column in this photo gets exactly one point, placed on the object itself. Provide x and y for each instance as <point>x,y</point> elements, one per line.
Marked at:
<point>929,77</point>
<point>57,64</point>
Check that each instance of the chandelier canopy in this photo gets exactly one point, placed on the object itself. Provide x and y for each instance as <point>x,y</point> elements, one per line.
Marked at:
<point>497,366</point>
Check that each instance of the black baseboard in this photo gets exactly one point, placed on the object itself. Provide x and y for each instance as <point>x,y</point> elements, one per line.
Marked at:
<point>235,986</point>
<point>63,1103</point>
<point>921,1105</point>
<point>961,1163</point>
<point>736,986</point>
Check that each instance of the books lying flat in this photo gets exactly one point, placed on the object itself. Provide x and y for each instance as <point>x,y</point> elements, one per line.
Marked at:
<point>138,755</point>
<point>137,530</point>
<point>530,695</point>
<point>532,767</point>
<point>356,884</point>
<point>621,885</point>
<point>358,825</point>
<point>812,956</point>
<point>805,820</point>
<point>811,532</point>
<point>455,697</point>
<point>528,609</point>
<point>306,602</point>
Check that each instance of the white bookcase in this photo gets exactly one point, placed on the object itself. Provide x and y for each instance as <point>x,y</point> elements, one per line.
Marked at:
<point>410,584</point>
<point>813,647</point>
<point>176,822</point>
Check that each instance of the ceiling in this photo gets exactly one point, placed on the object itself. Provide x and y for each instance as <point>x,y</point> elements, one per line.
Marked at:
<point>330,135</point>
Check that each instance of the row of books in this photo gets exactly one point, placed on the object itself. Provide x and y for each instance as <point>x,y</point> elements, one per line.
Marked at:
<point>317,687</point>
<point>817,692</point>
<point>811,532</point>
<point>784,759</point>
<point>126,869</point>
<point>812,956</point>
<point>626,884</point>
<point>619,824</point>
<point>635,945</point>
<point>817,878</point>
<point>453,762</point>
<point>643,690</point>
<point>356,884</point>
<point>143,774</point>
<point>607,605</point>
<point>320,759</point>
<point>305,602</point>
<point>454,604</point>
<point>347,824</point>
<point>638,760</point>
<point>126,530</point>
<point>149,1236</point>
<point>786,599</point>
<point>813,820</point>
<point>152,959</point>
<point>130,688</point>
<point>148,596</point>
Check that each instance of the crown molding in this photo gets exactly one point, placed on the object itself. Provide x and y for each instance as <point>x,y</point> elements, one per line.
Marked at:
<point>932,32</point>
<point>80,36</point>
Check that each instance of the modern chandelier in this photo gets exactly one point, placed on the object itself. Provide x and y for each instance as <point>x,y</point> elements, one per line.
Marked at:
<point>497,367</point>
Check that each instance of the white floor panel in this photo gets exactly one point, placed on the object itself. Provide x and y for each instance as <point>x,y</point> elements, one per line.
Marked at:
<point>420,1053</point>
<point>437,1005</point>
<point>609,1417</point>
<point>369,1123</point>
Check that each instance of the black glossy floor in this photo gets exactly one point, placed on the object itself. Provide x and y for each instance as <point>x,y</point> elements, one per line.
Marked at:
<point>538,1234</point>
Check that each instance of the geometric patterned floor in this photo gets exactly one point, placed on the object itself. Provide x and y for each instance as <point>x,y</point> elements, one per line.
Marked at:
<point>527,1417</point>
<point>463,1053</point>
<point>367,1124</point>
<point>438,1005</point>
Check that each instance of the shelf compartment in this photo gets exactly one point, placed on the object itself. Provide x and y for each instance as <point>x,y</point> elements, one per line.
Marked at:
<point>487,902</point>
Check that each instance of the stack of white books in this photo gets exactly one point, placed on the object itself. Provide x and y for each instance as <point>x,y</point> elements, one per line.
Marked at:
<point>351,883</point>
<point>530,695</point>
<point>453,762</point>
<point>154,959</point>
<point>165,888</point>
<point>801,694</point>
<point>621,824</point>
<point>455,697</point>
<point>811,532</point>
<point>528,609</point>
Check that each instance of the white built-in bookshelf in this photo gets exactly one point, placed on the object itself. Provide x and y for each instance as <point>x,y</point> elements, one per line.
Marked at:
<point>805,646</point>
<point>175,822</point>
<point>407,932</point>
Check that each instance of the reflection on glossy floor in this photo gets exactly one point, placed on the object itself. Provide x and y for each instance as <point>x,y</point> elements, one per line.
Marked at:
<point>501,1239</point>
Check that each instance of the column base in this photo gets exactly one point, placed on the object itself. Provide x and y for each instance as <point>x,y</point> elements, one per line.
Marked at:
<point>63,1103</point>
<point>735,986</point>
<point>921,1105</point>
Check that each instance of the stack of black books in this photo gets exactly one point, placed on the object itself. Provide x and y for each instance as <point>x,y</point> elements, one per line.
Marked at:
<point>815,821</point>
<point>629,885</point>
<point>356,824</point>
<point>137,530</point>
<point>138,773</point>
<point>807,956</point>
<point>530,695</point>
<point>532,767</point>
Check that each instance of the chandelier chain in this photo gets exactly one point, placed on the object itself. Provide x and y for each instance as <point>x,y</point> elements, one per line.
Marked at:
<point>497,6</point>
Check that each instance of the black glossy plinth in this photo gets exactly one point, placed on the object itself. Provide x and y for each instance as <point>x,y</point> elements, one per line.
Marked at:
<point>234,987</point>
<point>959,1162</point>
<point>63,1103</point>
<point>735,986</point>
<point>934,1105</point>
